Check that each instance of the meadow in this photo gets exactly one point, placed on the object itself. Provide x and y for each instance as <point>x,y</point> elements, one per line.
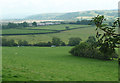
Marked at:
<point>23,31</point>
<point>39,29</point>
<point>82,31</point>
<point>54,64</point>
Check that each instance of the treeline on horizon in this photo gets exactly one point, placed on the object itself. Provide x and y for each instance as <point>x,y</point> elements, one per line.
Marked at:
<point>35,24</point>
<point>18,25</point>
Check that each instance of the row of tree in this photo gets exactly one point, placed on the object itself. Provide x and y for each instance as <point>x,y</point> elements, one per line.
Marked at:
<point>55,41</point>
<point>82,22</point>
<point>18,25</point>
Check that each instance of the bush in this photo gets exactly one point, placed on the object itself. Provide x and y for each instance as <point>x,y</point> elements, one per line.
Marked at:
<point>6,42</point>
<point>63,43</point>
<point>91,40</point>
<point>43,44</point>
<point>56,41</point>
<point>74,41</point>
<point>86,50</point>
<point>23,43</point>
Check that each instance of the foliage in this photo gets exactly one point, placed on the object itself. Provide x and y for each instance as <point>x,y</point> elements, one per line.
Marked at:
<point>23,43</point>
<point>86,50</point>
<point>34,24</point>
<point>67,27</point>
<point>74,41</point>
<point>63,43</point>
<point>91,40</point>
<point>6,42</point>
<point>82,22</point>
<point>11,42</point>
<point>9,25</point>
<point>15,25</point>
<point>43,44</point>
<point>56,41</point>
<point>109,40</point>
<point>25,24</point>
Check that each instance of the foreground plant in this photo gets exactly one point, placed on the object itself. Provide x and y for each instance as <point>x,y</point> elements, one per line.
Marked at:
<point>109,39</point>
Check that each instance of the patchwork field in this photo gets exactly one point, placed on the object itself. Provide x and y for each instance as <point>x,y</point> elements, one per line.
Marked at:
<point>40,29</point>
<point>83,31</point>
<point>23,31</point>
<point>54,64</point>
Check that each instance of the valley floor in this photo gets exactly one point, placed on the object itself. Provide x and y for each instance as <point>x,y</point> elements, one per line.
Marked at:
<point>54,64</point>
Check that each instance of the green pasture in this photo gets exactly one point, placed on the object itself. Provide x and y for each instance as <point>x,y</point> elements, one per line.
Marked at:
<point>54,64</point>
<point>58,27</point>
<point>41,29</point>
<point>83,33</point>
<point>23,31</point>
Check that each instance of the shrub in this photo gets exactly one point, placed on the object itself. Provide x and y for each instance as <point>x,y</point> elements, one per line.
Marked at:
<point>6,42</point>
<point>23,43</point>
<point>43,44</point>
<point>91,40</point>
<point>86,50</point>
<point>63,43</point>
<point>56,41</point>
<point>67,27</point>
<point>74,41</point>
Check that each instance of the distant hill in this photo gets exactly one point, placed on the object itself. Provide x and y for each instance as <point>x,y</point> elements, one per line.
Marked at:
<point>111,14</point>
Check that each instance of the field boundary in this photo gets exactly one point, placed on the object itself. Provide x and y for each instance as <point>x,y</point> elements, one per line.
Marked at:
<point>55,31</point>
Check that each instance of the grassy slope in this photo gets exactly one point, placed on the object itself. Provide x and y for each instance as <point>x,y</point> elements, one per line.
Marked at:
<point>37,29</point>
<point>83,33</point>
<point>23,31</point>
<point>58,27</point>
<point>50,64</point>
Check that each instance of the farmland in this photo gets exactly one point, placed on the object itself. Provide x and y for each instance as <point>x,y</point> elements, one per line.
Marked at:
<point>82,31</point>
<point>23,31</point>
<point>41,29</point>
<point>54,64</point>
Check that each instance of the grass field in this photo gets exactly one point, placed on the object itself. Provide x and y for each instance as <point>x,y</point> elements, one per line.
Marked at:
<point>23,31</point>
<point>54,64</point>
<point>58,27</point>
<point>83,33</point>
<point>41,29</point>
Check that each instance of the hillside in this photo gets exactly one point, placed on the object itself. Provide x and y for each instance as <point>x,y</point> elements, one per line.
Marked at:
<point>111,14</point>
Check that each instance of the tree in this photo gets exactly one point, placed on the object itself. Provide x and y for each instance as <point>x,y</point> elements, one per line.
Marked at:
<point>11,43</point>
<point>67,27</point>
<point>86,50</point>
<point>4,42</point>
<point>20,43</point>
<point>56,41</point>
<point>11,25</point>
<point>23,43</point>
<point>74,41</point>
<point>108,40</point>
<point>78,22</point>
<point>63,43</point>
<point>91,40</point>
<point>49,43</point>
<point>25,24</point>
<point>34,24</point>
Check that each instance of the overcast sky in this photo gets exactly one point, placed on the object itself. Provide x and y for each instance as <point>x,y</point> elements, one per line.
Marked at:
<point>22,8</point>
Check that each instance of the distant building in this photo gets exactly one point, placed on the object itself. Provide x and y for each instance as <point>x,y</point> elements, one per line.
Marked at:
<point>53,46</point>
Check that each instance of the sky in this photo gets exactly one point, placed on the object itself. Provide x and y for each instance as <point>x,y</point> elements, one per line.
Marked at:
<point>22,8</point>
